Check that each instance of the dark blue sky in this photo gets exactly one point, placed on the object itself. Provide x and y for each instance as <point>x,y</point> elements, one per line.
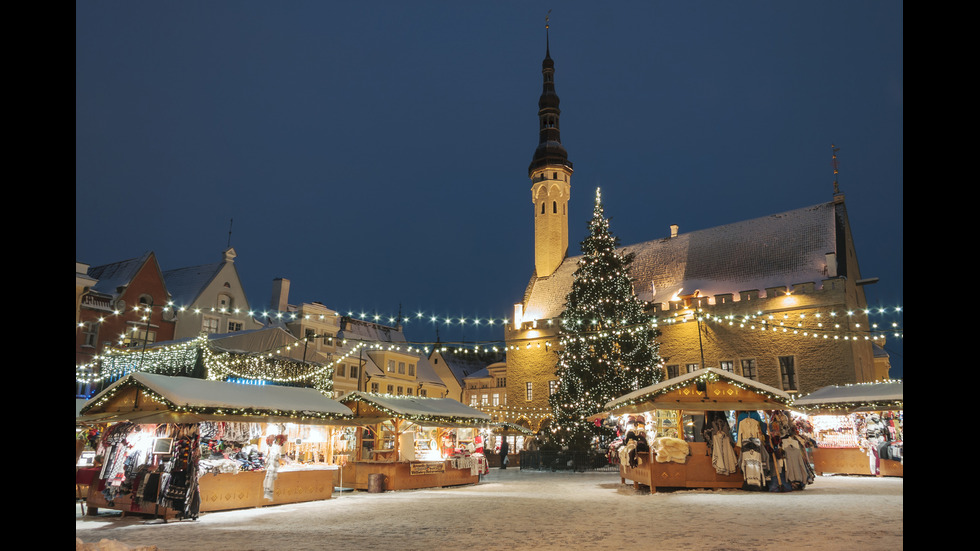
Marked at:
<point>376,154</point>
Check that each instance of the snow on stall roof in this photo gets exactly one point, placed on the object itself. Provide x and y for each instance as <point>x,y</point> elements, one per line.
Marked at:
<point>776,250</point>
<point>651,392</point>
<point>412,406</point>
<point>884,392</point>
<point>186,391</point>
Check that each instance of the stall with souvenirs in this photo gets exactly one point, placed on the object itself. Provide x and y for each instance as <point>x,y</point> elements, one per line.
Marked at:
<point>708,429</point>
<point>857,429</point>
<point>412,442</point>
<point>174,447</point>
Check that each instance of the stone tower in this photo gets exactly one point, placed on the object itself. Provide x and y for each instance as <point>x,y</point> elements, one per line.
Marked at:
<point>550,172</point>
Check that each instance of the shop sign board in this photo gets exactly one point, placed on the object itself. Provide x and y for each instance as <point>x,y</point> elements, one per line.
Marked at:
<point>427,468</point>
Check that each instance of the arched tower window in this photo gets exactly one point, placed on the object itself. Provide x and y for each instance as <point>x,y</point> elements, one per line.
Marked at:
<point>554,207</point>
<point>542,208</point>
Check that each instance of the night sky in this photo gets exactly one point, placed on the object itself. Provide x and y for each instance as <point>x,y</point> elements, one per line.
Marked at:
<point>376,154</point>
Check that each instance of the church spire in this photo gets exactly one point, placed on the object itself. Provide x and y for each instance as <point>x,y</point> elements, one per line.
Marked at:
<point>551,173</point>
<point>549,152</point>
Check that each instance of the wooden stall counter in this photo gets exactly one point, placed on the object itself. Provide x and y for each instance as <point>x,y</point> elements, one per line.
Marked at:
<point>697,472</point>
<point>227,491</point>
<point>852,461</point>
<point>404,475</point>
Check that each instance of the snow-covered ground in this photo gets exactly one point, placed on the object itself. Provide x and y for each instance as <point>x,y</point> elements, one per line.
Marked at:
<point>516,509</point>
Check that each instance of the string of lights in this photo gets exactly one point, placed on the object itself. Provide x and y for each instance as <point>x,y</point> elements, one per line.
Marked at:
<point>422,317</point>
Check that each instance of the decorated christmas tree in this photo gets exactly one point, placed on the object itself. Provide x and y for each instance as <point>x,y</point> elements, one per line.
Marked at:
<point>607,343</point>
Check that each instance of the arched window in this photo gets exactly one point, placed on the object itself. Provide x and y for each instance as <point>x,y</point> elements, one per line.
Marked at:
<point>542,208</point>
<point>554,207</point>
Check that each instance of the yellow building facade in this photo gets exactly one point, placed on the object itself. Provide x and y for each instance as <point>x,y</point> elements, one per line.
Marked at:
<point>779,299</point>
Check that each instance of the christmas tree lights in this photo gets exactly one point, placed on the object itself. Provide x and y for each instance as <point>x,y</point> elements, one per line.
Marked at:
<point>607,345</point>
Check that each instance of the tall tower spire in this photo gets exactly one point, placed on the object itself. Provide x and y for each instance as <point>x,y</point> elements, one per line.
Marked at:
<point>550,172</point>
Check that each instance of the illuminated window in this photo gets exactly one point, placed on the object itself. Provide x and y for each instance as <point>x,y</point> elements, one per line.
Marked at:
<point>496,399</point>
<point>552,387</point>
<point>529,391</point>
<point>138,337</point>
<point>728,366</point>
<point>391,366</point>
<point>391,389</point>
<point>691,368</point>
<point>374,387</point>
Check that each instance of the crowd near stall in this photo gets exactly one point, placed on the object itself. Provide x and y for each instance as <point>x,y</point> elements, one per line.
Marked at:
<point>858,429</point>
<point>178,446</point>
<point>410,442</point>
<point>709,429</point>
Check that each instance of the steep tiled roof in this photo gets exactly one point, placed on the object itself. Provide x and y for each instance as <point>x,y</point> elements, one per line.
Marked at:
<point>776,250</point>
<point>463,365</point>
<point>185,284</point>
<point>115,275</point>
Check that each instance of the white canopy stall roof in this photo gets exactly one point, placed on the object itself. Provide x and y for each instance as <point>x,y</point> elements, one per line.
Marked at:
<point>724,391</point>
<point>151,398</point>
<point>881,396</point>
<point>429,412</point>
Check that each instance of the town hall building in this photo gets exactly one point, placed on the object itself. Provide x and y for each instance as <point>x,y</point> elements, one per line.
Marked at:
<point>778,299</point>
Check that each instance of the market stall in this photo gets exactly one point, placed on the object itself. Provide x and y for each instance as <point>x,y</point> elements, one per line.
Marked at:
<point>178,446</point>
<point>858,429</point>
<point>516,437</point>
<point>703,430</point>
<point>411,442</point>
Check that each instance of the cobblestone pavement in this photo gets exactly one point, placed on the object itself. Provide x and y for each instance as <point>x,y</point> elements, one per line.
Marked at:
<point>542,510</point>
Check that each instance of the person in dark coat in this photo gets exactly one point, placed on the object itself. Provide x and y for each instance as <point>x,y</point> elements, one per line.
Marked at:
<point>504,449</point>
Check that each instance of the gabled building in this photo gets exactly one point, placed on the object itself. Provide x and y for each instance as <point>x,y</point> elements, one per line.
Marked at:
<point>123,307</point>
<point>209,298</point>
<point>454,366</point>
<point>366,356</point>
<point>779,299</point>
<point>486,390</point>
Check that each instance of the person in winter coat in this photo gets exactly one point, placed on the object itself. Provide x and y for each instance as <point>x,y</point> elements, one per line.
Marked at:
<point>504,449</point>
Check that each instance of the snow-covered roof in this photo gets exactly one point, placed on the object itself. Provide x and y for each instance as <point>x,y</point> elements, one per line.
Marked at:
<point>418,409</point>
<point>186,284</point>
<point>777,250</point>
<point>648,398</point>
<point>216,400</point>
<point>468,364</point>
<point>352,328</point>
<point>886,395</point>
<point>117,274</point>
